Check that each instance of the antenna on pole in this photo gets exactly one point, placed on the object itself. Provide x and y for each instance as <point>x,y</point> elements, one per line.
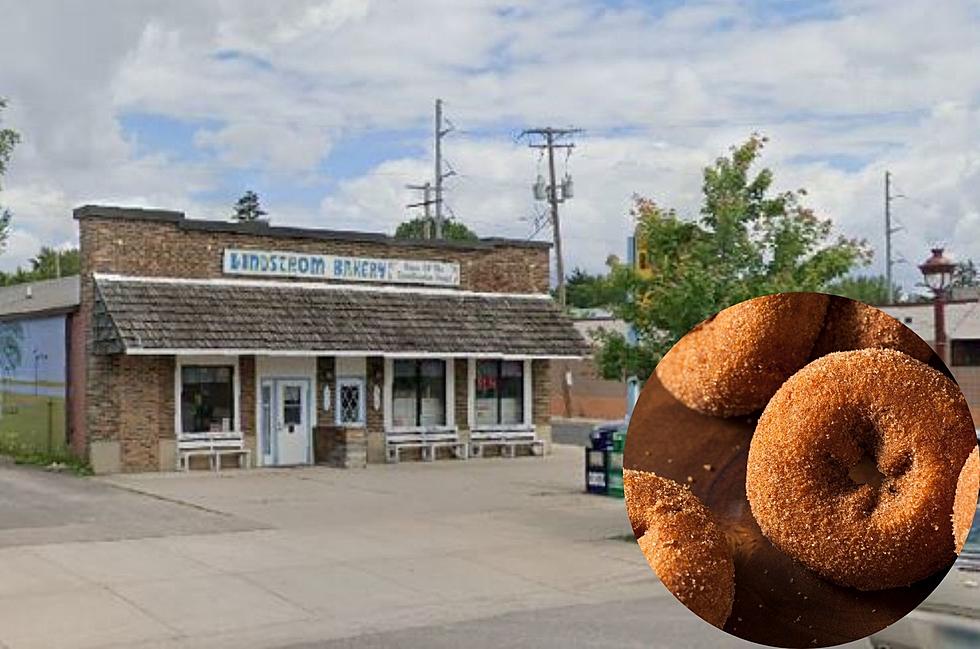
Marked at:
<point>425,204</point>
<point>440,175</point>
<point>554,192</point>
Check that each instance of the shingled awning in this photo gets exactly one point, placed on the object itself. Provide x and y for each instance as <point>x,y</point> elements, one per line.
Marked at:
<point>165,316</point>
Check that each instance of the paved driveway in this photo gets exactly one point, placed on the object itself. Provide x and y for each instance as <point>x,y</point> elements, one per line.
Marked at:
<point>485,553</point>
<point>269,558</point>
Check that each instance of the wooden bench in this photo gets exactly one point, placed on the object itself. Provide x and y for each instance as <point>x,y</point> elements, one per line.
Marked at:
<point>214,446</point>
<point>507,440</point>
<point>427,441</point>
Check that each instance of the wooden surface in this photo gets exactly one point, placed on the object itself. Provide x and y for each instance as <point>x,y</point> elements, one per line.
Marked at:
<point>777,601</point>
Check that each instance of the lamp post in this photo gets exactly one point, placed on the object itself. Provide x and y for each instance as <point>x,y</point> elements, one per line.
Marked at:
<point>938,273</point>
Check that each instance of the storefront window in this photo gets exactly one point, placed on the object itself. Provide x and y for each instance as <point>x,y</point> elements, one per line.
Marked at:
<point>207,399</point>
<point>499,392</point>
<point>418,393</point>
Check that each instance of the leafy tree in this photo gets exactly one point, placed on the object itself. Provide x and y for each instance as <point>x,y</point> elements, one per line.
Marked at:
<point>868,289</point>
<point>586,291</point>
<point>48,264</point>
<point>248,208</point>
<point>423,228</point>
<point>748,241</point>
<point>965,275</point>
<point>8,140</point>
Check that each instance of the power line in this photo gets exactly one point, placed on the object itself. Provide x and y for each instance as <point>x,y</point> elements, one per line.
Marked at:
<point>440,175</point>
<point>552,192</point>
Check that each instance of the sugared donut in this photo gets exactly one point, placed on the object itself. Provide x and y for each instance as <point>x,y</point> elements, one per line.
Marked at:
<point>878,403</point>
<point>733,363</point>
<point>965,505</point>
<point>682,543</point>
<point>850,324</point>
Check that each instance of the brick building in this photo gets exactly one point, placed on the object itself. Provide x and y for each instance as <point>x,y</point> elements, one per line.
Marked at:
<point>963,340</point>
<point>314,345</point>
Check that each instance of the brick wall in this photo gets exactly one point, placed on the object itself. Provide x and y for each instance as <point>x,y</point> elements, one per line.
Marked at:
<point>143,388</point>
<point>130,400</point>
<point>541,386</point>
<point>162,249</point>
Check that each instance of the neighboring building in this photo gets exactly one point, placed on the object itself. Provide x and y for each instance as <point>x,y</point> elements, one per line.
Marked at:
<point>963,340</point>
<point>296,337</point>
<point>589,396</point>
<point>37,322</point>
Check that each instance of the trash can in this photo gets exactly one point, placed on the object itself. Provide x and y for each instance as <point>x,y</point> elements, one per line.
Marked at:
<point>614,474</point>
<point>619,440</point>
<point>595,471</point>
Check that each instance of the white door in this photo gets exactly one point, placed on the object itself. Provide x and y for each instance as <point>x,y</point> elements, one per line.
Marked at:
<point>292,436</point>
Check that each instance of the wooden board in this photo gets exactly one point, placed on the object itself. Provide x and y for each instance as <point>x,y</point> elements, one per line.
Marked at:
<point>777,601</point>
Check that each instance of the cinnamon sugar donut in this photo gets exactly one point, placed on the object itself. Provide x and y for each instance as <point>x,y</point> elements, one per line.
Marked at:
<point>850,324</point>
<point>682,543</point>
<point>965,504</point>
<point>878,403</point>
<point>733,363</point>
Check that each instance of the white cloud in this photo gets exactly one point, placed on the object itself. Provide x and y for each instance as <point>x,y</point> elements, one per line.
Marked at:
<point>278,85</point>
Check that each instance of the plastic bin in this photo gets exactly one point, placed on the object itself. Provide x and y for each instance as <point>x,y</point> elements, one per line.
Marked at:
<point>614,473</point>
<point>619,440</point>
<point>595,471</point>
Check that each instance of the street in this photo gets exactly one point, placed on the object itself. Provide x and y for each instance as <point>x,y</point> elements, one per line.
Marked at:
<point>571,431</point>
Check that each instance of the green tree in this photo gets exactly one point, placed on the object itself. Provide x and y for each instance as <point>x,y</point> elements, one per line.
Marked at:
<point>868,289</point>
<point>423,228</point>
<point>748,241</point>
<point>587,291</point>
<point>965,274</point>
<point>8,140</point>
<point>48,264</point>
<point>248,208</point>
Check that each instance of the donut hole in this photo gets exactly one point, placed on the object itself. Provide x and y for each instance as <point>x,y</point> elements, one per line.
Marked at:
<point>866,472</point>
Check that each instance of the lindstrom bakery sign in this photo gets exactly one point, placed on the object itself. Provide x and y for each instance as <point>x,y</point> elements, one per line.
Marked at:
<point>271,263</point>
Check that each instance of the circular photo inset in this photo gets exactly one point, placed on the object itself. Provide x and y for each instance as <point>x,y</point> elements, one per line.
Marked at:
<point>801,470</point>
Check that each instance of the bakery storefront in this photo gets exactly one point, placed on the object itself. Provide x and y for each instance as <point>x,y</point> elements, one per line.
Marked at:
<point>307,346</point>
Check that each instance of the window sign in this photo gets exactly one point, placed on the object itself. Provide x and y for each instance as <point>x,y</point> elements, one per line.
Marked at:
<point>419,393</point>
<point>207,401</point>
<point>267,263</point>
<point>499,392</point>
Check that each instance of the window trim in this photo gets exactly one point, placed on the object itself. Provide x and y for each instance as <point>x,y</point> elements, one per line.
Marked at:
<point>388,394</point>
<point>211,361</point>
<point>361,384</point>
<point>526,425</point>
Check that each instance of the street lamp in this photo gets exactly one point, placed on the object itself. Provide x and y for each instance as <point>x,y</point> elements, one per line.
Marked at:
<point>938,273</point>
<point>38,357</point>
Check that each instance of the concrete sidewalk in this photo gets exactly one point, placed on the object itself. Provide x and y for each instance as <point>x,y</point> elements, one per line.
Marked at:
<point>321,553</point>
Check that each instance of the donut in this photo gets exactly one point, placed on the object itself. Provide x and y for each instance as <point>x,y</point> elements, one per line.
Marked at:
<point>965,504</point>
<point>682,543</point>
<point>850,324</point>
<point>733,363</point>
<point>878,404</point>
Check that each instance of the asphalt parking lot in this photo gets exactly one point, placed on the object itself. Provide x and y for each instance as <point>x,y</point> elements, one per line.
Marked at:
<point>484,553</point>
<point>271,558</point>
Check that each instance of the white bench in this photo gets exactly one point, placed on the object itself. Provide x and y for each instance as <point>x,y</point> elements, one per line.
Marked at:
<point>507,440</point>
<point>427,441</point>
<point>214,446</point>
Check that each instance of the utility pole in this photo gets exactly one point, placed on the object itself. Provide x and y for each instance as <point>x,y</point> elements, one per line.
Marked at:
<point>426,202</point>
<point>889,231</point>
<point>554,193</point>
<point>440,175</point>
<point>888,234</point>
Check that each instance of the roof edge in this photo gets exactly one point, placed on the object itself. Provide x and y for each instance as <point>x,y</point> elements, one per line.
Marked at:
<point>263,228</point>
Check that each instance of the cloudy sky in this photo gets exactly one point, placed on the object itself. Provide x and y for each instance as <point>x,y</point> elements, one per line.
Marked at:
<point>325,109</point>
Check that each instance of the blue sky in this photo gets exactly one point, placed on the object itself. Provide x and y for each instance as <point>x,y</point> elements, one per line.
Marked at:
<point>325,108</point>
